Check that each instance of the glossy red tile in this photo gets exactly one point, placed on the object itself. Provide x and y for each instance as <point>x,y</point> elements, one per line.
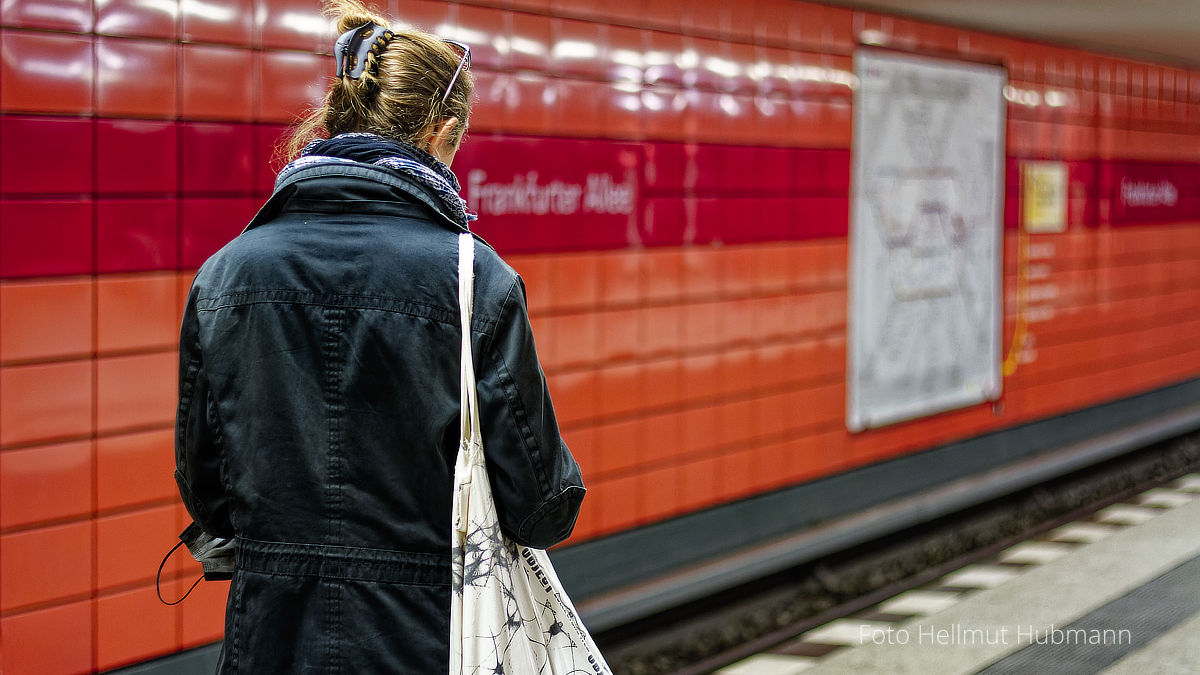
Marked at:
<point>46,564</point>
<point>135,469</point>
<point>579,48</point>
<point>620,110</point>
<point>530,42</point>
<point>135,78</point>
<point>293,24</point>
<point>45,402</point>
<point>291,83</point>
<point>45,319</point>
<point>664,58</point>
<point>490,109</point>
<point>432,16</point>
<point>137,18</point>
<point>42,72</point>
<point>134,235</point>
<point>577,112</point>
<point>45,483</point>
<point>485,29</point>
<point>66,15</point>
<point>45,238</point>
<point>31,152</point>
<point>217,158</point>
<point>136,312</point>
<point>203,615</point>
<point>208,224</point>
<point>530,104</point>
<point>116,644</point>
<point>136,391</point>
<point>228,21</point>
<point>269,156</point>
<point>33,641</point>
<point>129,546</point>
<point>136,156</point>
<point>217,83</point>
<point>671,16</point>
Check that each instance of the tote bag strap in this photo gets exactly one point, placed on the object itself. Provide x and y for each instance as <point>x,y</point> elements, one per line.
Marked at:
<point>466,290</point>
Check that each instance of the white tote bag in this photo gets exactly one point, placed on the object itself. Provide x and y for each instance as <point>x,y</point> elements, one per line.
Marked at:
<point>508,612</point>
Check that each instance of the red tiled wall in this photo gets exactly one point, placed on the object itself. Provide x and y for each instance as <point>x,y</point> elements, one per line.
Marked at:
<point>136,138</point>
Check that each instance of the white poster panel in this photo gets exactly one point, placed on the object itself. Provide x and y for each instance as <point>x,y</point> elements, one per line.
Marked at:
<point>925,237</point>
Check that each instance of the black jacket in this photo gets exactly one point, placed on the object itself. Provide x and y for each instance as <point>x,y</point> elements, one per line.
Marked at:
<point>318,422</point>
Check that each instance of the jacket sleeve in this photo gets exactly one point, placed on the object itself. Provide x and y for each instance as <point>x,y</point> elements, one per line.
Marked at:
<point>197,436</point>
<point>535,480</point>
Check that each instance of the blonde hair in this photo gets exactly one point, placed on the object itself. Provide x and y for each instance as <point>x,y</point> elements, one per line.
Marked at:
<point>399,94</point>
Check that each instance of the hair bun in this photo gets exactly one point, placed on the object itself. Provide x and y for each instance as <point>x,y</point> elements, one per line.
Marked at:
<point>352,14</point>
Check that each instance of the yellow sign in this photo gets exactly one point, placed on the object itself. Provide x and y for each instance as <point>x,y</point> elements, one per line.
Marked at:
<point>1044,196</point>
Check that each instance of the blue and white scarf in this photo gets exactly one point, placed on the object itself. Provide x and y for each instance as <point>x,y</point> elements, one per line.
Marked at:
<point>404,159</point>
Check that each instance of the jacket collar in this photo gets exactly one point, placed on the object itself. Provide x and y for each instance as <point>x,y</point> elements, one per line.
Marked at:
<point>315,178</point>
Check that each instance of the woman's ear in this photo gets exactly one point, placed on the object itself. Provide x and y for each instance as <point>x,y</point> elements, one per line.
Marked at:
<point>441,143</point>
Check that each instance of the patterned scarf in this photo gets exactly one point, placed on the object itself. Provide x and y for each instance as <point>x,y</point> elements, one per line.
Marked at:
<point>406,160</point>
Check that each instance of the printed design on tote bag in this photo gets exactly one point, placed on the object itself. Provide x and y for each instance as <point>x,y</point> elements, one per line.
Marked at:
<point>485,558</point>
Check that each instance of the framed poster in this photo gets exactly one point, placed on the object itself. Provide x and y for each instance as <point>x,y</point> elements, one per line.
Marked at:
<point>926,229</point>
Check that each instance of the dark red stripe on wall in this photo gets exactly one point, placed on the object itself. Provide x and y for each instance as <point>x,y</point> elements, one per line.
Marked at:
<point>165,195</point>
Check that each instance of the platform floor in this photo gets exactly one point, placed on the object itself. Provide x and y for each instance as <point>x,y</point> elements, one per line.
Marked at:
<point>1117,593</point>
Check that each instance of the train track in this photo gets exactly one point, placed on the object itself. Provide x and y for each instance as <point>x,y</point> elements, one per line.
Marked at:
<point>706,635</point>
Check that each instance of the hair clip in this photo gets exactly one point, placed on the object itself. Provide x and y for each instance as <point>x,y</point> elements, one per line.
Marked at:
<point>351,49</point>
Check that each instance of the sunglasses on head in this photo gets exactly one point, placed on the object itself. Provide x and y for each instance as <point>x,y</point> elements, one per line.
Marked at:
<point>463,63</point>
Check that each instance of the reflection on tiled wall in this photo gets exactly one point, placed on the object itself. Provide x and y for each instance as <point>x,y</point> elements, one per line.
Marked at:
<point>136,137</point>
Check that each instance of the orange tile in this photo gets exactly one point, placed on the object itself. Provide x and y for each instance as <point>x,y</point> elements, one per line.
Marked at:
<point>738,269</point>
<point>619,503</point>
<point>203,613</point>
<point>735,368</point>
<point>45,319</point>
<point>572,339</point>
<point>659,493</point>
<point>619,389</point>
<point>772,415</point>
<point>738,473</point>
<point>619,332</point>
<point>699,428</point>
<point>137,311</point>
<point>574,395</point>
<point>699,483</point>
<point>45,564</point>
<point>28,55</point>
<point>701,377</point>
<point>735,422</point>
<point>701,272</point>
<point>736,321</point>
<point>618,446</point>
<point>43,402</point>
<point>45,483</point>
<point>140,608</point>
<point>135,469</point>
<point>661,330</point>
<point>662,383</point>
<point>663,274</point>
<point>216,83</point>
<point>576,280</point>
<point>136,390</point>
<point>130,546</point>
<point>582,444</point>
<point>661,437</point>
<point>619,276</point>
<point>51,641</point>
<point>122,88</point>
<point>588,523</point>
<point>535,273</point>
<point>700,325</point>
